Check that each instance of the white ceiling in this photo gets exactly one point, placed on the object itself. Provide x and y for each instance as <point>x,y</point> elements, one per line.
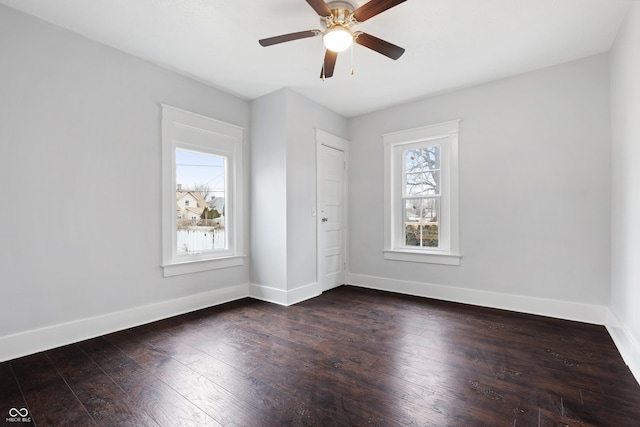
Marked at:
<point>449,43</point>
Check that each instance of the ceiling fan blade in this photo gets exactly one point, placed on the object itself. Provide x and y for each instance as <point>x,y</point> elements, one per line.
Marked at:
<point>288,37</point>
<point>373,8</point>
<point>329,64</point>
<point>387,49</point>
<point>320,7</point>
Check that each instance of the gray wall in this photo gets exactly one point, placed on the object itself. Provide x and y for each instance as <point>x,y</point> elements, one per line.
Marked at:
<point>625,221</point>
<point>534,185</point>
<point>283,187</point>
<point>269,191</point>
<point>80,170</point>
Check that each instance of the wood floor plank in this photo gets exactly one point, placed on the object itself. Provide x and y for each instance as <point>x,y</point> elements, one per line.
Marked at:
<point>350,357</point>
<point>13,405</point>
<point>107,403</point>
<point>148,393</point>
<point>276,404</point>
<point>220,404</point>
<point>50,400</point>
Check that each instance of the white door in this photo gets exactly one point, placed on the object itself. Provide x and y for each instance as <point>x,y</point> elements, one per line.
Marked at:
<point>331,212</point>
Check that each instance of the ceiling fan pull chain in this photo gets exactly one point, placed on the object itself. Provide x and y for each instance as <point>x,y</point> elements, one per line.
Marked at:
<point>352,72</point>
<point>324,51</point>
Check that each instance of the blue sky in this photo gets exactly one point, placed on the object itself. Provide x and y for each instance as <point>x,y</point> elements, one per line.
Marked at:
<point>195,168</point>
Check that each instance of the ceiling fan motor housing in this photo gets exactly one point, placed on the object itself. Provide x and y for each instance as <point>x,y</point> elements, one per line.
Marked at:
<point>340,14</point>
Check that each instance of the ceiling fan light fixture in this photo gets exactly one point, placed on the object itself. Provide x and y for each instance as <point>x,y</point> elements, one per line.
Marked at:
<point>338,38</point>
<point>336,19</point>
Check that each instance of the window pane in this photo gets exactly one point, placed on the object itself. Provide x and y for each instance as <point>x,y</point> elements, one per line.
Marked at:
<point>200,199</point>
<point>422,171</point>
<point>421,222</point>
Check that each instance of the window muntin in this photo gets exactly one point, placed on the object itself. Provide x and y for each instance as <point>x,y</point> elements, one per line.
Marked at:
<point>421,194</point>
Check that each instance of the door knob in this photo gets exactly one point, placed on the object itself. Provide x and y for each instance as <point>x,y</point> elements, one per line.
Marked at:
<point>325,219</point>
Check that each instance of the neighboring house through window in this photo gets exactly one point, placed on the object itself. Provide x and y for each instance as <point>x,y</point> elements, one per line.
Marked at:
<point>421,194</point>
<point>202,193</point>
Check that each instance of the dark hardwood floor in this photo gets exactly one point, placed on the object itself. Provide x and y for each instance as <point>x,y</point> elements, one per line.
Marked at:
<point>349,357</point>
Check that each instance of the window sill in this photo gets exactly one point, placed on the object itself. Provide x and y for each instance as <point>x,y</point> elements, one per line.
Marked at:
<point>202,265</point>
<point>425,257</point>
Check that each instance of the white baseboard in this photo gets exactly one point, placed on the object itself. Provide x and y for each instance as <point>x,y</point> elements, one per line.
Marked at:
<point>33,341</point>
<point>588,313</point>
<point>282,297</point>
<point>627,345</point>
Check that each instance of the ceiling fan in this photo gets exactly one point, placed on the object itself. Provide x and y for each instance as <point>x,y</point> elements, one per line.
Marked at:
<point>337,18</point>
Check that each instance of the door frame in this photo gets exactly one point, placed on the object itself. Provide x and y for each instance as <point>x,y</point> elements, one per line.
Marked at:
<point>335,142</point>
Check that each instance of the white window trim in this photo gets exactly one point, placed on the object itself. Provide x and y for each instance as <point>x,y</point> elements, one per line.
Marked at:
<point>450,254</point>
<point>183,129</point>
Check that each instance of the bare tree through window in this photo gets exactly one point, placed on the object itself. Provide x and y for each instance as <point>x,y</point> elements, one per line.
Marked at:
<point>421,195</point>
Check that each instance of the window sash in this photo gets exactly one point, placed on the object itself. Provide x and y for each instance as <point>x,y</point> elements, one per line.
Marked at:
<point>223,149</point>
<point>432,174</point>
<point>418,226</point>
<point>228,197</point>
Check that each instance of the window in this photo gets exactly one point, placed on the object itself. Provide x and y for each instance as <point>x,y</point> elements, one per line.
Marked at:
<point>421,194</point>
<point>202,193</point>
